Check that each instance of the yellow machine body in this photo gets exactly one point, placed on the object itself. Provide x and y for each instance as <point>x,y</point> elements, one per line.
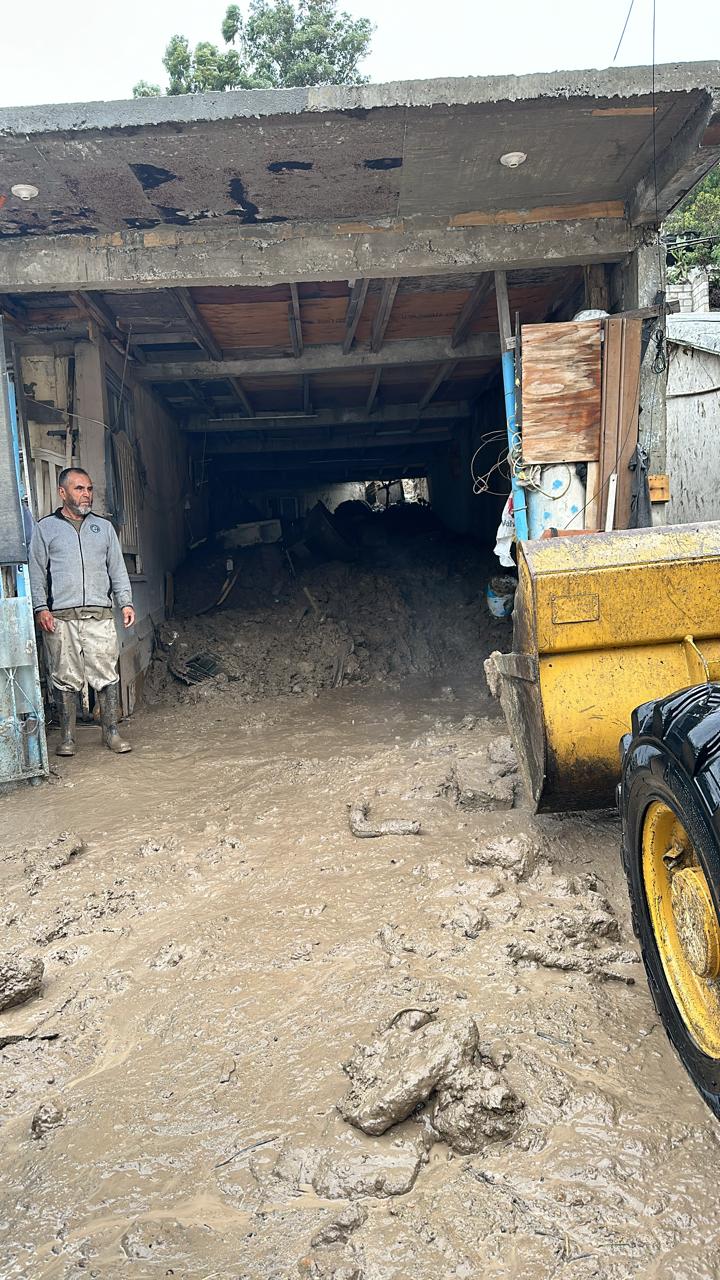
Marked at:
<point>603,623</point>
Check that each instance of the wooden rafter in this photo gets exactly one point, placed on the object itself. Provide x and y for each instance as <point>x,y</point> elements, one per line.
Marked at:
<point>382,315</point>
<point>242,396</point>
<point>441,376</point>
<point>374,388</point>
<point>100,314</point>
<point>354,311</point>
<point>197,325</point>
<point>295,322</point>
<point>480,291</point>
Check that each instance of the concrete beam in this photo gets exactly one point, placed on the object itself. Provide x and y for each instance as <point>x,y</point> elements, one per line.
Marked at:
<point>204,255</point>
<point>485,346</point>
<point>687,159</point>
<point>391,413</point>
<point>340,440</point>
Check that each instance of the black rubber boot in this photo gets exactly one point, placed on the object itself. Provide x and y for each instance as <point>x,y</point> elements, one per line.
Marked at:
<point>66,701</point>
<point>109,699</point>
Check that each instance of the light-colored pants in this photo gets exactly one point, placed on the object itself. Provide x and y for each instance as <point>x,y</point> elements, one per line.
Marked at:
<point>83,647</point>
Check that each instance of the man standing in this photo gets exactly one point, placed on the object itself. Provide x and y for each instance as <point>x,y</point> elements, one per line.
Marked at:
<point>76,568</point>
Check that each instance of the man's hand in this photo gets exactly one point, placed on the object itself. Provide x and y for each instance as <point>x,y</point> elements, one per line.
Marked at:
<point>128,614</point>
<point>46,620</point>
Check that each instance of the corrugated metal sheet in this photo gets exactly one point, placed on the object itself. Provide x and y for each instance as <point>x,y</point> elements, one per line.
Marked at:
<point>701,330</point>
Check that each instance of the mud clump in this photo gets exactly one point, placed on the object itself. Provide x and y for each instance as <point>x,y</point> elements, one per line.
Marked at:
<point>48,1116</point>
<point>379,1173</point>
<point>400,1068</point>
<point>20,979</point>
<point>418,1057</point>
<point>517,855</point>
<point>474,1106</point>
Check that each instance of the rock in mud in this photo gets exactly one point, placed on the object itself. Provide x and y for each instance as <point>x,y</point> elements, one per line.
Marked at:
<point>60,851</point>
<point>49,1115</point>
<point>514,854</point>
<point>467,921</point>
<point>341,1228</point>
<point>478,787</point>
<point>501,753</point>
<point>475,1106</point>
<point>400,1068</point>
<point>20,979</point>
<point>391,1172</point>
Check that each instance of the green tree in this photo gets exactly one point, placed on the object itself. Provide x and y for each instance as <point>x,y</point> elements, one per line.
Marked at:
<point>145,90</point>
<point>281,44</point>
<point>697,218</point>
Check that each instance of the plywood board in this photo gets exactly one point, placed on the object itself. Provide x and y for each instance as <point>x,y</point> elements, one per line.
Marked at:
<point>561,369</point>
<point>621,389</point>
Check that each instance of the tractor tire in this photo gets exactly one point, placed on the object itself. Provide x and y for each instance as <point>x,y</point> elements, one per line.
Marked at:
<point>669,801</point>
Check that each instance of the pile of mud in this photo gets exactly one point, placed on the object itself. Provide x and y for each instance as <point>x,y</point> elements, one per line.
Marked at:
<point>412,604</point>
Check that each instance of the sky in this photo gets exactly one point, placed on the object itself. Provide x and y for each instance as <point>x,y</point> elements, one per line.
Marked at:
<point>93,50</point>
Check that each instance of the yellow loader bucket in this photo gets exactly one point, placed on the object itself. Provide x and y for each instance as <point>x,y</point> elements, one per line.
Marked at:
<point>603,623</point>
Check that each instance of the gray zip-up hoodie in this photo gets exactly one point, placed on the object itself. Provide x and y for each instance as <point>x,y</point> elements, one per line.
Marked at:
<point>71,568</point>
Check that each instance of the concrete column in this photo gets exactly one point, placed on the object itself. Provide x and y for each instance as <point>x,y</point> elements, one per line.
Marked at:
<point>640,282</point>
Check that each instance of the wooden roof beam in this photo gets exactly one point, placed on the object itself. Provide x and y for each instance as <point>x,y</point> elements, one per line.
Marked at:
<point>374,388</point>
<point>383,313</point>
<point>295,322</point>
<point>96,310</point>
<point>356,303</point>
<point>441,376</point>
<point>197,325</point>
<point>242,396</point>
<point>481,290</point>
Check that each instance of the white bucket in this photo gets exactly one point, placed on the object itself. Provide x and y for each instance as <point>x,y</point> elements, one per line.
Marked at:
<point>500,595</point>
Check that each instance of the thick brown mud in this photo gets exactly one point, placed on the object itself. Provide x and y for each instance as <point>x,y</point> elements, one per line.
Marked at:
<point>216,944</point>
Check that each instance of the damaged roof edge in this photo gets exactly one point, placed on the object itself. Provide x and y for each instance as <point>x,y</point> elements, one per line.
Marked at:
<point>613,82</point>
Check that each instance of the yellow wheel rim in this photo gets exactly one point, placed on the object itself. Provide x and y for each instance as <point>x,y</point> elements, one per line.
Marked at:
<point>685,924</point>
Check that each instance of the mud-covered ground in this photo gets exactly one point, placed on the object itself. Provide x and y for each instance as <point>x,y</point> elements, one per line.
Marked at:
<point>217,942</point>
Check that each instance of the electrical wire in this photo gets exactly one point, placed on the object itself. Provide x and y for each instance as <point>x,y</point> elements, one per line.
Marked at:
<point>625,25</point>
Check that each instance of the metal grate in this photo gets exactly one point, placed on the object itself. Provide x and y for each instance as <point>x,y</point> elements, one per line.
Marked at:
<point>128,494</point>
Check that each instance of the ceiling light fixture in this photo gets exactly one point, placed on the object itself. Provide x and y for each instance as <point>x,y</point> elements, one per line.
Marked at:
<point>513,159</point>
<point>25,191</point>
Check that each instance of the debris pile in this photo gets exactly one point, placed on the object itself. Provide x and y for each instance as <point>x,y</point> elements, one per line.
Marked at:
<point>410,606</point>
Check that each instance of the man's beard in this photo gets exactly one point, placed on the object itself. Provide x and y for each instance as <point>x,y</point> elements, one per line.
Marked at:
<point>77,509</point>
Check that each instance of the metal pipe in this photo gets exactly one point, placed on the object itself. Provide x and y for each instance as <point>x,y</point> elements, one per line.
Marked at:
<point>518,492</point>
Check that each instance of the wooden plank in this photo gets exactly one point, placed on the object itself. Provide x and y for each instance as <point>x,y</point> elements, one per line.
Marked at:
<point>198,327</point>
<point>479,293</point>
<point>307,397</point>
<point>374,387</point>
<point>354,311</point>
<point>441,376</point>
<point>503,311</point>
<point>592,496</point>
<point>295,322</point>
<point>242,396</point>
<point>609,418</point>
<point>542,213</point>
<point>628,417</point>
<point>659,486</point>
<point>597,292</point>
<point>382,315</point>
<point>561,400</point>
